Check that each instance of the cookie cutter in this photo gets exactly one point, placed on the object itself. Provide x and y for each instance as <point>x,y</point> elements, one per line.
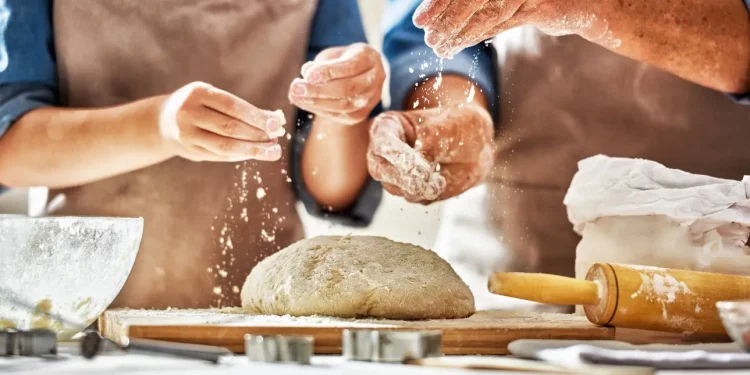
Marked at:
<point>279,348</point>
<point>390,346</point>
<point>32,343</point>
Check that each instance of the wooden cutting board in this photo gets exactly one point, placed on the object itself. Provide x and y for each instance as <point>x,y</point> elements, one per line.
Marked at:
<point>486,332</point>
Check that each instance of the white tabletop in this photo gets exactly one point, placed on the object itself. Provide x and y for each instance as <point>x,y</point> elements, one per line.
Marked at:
<point>69,362</point>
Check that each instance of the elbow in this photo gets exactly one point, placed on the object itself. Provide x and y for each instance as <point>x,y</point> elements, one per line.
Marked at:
<point>734,75</point>
<point>333,191</point>
<point>734,83</point>
<point>14,180</point>
<point>16,176</point>
<point>9,177</point>
<point>333,196</point>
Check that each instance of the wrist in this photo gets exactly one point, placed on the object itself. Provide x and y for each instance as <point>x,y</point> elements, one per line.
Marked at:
<point>596,22</point>
<point>149,127</point>
<point>333,124</point>
<point>583,18</point>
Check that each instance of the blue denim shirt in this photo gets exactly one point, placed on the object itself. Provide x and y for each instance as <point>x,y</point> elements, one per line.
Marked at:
<point>30,81</point>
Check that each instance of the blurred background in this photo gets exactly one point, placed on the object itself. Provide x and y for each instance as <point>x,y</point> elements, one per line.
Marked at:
<point>395,219</point>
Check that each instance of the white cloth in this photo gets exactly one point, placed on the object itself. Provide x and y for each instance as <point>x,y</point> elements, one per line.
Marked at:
<point>578,355</point>
<point>640,212</point>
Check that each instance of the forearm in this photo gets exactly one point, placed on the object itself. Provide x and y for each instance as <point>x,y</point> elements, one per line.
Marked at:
<point>60,147</point>
<point>334,164</point>
<point>704,41</point>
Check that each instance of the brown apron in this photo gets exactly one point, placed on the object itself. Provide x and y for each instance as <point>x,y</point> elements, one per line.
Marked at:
<point>206,224</point>
<point>566,99</point>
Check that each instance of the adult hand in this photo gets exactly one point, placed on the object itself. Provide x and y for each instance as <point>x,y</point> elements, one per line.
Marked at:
<point>200,122</point>
<point>432,154</point>
<point>342,84</point>
<point>452,25</point>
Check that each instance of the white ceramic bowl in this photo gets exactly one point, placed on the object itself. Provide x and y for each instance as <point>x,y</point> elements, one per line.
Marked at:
<point>71,266</point>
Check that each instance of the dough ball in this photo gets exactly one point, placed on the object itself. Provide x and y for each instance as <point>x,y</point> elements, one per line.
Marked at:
<point>356,276</point>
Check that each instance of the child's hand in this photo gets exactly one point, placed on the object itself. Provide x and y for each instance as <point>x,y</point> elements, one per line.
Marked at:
<point>200,122</point>
<point>343,84</point>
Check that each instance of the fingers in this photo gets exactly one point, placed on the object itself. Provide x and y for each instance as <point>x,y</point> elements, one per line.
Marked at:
<point>339,88</point>
<point>429,11</point>
<point>325,55</point>
<point>454,135</point>
<point>356,60</point>
<point>388,141</point>
<point>333,106</point>
<point>480,25</point>
<point>450,23</point>
<point>404,184</point>
<point>343,84</point>
<point>203,123</point>
<point>200,154</point>
<point>452,152</point>
<point>230,105</point>
<point>229,149</point>
<point>492,18</point>
<point>460,177</point>
<point>396,191</point>
<point>391,160</point>
<point>219,123</point>
<point>452,48</point>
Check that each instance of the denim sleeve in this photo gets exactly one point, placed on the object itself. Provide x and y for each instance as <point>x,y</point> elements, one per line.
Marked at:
<point>29,81</point>
<point>412,61</point>
<point>336,23</point>
<point>741,98</point>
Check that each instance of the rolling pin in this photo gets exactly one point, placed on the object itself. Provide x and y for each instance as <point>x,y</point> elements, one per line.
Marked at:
<point>657,299</point>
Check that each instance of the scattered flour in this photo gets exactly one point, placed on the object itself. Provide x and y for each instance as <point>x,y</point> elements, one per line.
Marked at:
<point>660,287</point>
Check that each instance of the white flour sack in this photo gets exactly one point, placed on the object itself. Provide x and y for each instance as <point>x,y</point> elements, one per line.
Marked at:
<point>634,211</point>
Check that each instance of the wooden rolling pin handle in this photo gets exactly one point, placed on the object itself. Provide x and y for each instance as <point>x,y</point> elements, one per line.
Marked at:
<point>543,288</point>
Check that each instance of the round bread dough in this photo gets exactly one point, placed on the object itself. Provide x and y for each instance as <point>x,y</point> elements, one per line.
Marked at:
<point>356,276</point>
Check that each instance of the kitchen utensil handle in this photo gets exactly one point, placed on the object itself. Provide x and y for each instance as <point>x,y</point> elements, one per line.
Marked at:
<point>544,288</point>
<point>173,349</point>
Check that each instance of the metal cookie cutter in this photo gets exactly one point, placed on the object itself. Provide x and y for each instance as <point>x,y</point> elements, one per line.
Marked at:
<point>279,348</point>
<point>390,346</point>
